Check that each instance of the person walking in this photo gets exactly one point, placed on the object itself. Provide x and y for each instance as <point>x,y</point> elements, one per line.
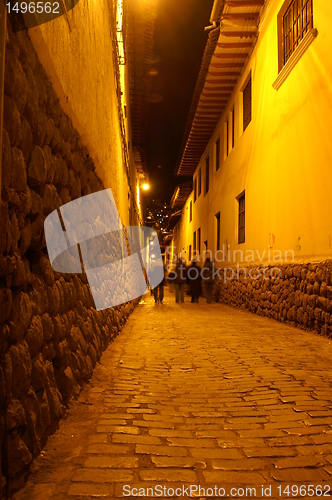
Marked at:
<point>158,291</point>
<point>180,280</point>
<point>194,280</point>
<point>208,278</point>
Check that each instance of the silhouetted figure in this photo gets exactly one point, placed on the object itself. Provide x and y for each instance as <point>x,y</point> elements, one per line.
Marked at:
<point>158,291</point>
<point>180,280</point>
<point>194,280</point>
<point>208,278</point>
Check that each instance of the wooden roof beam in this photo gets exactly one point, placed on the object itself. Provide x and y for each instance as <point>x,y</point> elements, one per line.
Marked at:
<point>239,45</point>
<point>227,65</point>
<point>242,55</point>
<point>244,3</point>
<point>241,34</point>
<point>245,15</point>
<point>215,95</point>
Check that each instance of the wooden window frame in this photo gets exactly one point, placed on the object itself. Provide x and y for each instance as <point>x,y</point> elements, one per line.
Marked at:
<point>207,174</point>
<point>241,219</point>
<point>233,127</point>
<point>247,104</point>
<point>217,216</point>
<point>295,20</point>
<point>217,154</point>
<point>199,183</point>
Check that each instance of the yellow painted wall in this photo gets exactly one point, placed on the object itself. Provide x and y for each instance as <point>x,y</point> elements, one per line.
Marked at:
<point>80,66</point>
<point>283,160</point>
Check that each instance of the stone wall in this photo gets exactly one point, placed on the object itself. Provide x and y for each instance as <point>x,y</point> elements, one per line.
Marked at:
<point>51,335</point>
<point>300,294</point>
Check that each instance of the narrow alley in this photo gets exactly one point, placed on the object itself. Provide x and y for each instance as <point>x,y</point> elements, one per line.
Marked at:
<point>201,395</point>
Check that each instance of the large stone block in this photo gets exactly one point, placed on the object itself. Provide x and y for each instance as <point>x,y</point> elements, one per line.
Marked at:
<point>35,336</point>
<point>18,456</point>
<point>20,318</point>
<point>15,416</point>
<point>26,143</point>
<point>12,121</point>
<point>6,303</point>
<point>48,194</point>
<point>37,170</point>
<point>76,340</point>
<point>38,374</point>
<point>48,327</point>
<point>21,368</point>
<point>38,295</point>
<point>6,159</point>
<point>66,383</point>
<point>26,237</point>
<point>15,83</point>
<point>41,128</point>
<point>34,429</point>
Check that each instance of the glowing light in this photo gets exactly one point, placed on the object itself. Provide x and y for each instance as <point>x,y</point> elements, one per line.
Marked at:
<point>145,186</point>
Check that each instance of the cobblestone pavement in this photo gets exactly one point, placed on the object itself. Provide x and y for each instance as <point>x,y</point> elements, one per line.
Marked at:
<point>197,394</point>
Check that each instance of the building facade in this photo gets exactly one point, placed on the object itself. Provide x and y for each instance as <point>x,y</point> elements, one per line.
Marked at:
<point>257,147</point>
<point>261,166</point>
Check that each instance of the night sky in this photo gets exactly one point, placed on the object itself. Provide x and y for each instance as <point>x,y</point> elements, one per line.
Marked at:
<point>179,43</point>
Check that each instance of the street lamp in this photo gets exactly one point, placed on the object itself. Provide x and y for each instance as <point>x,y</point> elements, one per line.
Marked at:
<point>145,186</point>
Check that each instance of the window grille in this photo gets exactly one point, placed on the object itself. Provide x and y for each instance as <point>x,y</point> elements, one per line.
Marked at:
<point>296,22</point>
<point>242,207</point>
<point>247,105</point>
<point>207,175</point>
<point>218,154</point>
<point>218,230</point>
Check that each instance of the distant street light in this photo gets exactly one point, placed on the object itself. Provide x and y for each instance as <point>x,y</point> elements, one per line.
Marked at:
<point>145,186</point>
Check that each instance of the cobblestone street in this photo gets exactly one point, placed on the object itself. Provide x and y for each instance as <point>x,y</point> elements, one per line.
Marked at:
<point>196,394</point>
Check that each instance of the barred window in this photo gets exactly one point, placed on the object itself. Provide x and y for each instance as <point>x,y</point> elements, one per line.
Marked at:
<point>296,22</point>
<point>247,105</point>
<point>207,175</point>
<point>233,128</point>
<point>217,216</point>
<point>218,154</point>
<point>242,207</point>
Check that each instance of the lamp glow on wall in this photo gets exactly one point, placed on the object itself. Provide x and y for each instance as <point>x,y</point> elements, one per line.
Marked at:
<point>145,186</point>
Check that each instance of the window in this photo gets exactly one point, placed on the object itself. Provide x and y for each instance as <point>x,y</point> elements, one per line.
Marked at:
<point>191,211</point>
<point>241,201</point>
<point>218,154</point>
<point>207,175</point>
<point>217,216</point>
<point>199,183</point>
<point>195,189</point>
<point>189,257</point>
<point>227,138</point>
<point>194,241</point>
<point>297,20</point>
<point>233,128</point>
<point>247,105</point>
<point>199,241</point>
